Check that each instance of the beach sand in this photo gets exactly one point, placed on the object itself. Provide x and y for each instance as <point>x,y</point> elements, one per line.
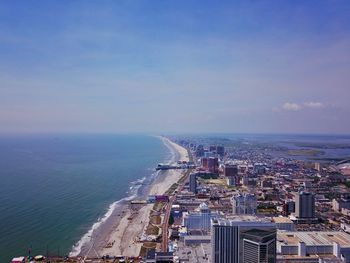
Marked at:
<point>125,226</point>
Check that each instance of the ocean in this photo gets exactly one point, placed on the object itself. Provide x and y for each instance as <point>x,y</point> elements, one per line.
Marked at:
<point>54,188</point>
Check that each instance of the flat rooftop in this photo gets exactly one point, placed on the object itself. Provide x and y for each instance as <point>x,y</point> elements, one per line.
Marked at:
<point>198,237</point>
<point>281,219</point>
<point>243,220</point>
<point>314,238</point>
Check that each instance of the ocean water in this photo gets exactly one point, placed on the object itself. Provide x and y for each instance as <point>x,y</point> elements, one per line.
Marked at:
<point>55,187</point>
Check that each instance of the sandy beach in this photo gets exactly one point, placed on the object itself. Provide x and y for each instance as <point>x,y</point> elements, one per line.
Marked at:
<point>120,234</point>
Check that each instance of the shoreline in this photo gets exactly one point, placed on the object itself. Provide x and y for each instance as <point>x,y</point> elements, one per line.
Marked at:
<point>123,225</point>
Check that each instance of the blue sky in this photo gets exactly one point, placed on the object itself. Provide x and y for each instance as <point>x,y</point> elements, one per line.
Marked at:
<point>175,66</point>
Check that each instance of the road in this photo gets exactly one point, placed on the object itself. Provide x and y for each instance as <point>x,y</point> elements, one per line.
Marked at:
<point>165,228</point>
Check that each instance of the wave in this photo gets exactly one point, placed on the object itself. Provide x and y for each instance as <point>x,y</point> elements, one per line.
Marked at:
<point>77,248</point>
<point>86,239</point>
<point>132,194</point>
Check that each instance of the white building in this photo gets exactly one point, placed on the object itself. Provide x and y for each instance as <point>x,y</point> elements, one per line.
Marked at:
<point>200,219</point>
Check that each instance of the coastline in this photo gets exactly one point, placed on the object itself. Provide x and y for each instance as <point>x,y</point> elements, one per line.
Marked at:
<point>124,224</point>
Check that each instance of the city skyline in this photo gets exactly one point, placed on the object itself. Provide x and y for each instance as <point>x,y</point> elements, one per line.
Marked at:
<point>184,66</point>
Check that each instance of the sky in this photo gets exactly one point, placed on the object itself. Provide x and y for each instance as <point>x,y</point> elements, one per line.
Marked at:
<point>175,66</point>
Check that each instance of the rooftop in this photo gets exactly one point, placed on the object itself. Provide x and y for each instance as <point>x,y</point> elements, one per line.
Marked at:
<point>281,219</point>
<point>243,220</point>
<point>314,238</point>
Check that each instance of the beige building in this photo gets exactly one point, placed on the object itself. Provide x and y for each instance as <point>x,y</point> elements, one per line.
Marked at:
<point>313,246</point>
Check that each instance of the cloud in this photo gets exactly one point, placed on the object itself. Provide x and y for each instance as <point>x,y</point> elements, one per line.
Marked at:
<point>314,105</point>
<point>292,106</point>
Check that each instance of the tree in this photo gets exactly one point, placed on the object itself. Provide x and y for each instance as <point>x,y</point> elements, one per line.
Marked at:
<point>171,219</point>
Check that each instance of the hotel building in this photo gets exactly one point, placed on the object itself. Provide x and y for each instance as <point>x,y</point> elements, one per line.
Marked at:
<point>244,239</point>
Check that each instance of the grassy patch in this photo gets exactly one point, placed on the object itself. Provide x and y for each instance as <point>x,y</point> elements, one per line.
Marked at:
<point>216,181</point>
<point>172,188</point>
<point>152,230</point>
<point>155,220</point>
<point>158,206</point>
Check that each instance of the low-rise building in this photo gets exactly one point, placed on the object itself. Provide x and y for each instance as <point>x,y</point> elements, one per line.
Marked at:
<point>283,223</point>
<point>312,246</point>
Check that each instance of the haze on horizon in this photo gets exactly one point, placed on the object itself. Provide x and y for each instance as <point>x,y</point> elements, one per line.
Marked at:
<point>175,66</point>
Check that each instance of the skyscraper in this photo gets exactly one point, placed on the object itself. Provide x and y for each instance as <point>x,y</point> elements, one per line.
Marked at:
<point>220,150</point>
<point>304,205</point>
<point>193,182</point>
<point>243,240</point>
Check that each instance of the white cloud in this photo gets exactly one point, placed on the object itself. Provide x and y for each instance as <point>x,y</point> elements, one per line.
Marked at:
<point>292,106</point>
<point>314,105</point>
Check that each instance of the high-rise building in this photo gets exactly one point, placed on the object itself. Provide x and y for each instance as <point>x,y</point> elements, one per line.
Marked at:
<point>193,182</point>
<point>212,148</point>
<point>243,240</point>
<point>200,219</point>
<point>317,167</point>
<point>220,150</point>
<point>231,174</point>
<point>213,164</point>
<point>304,205</point>
<point>230,170</point>
<point>204,162</point>
<point>244,204</point>
<point>199,151</point>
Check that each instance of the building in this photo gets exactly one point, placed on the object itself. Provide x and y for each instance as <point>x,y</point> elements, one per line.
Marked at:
<point>317,167</point>
<point>267,183</point>
<point>197,240</point>
<point>259,168</point>
<point>220,150</point>
<point>212,148</point>
<point>209,154</point>
<point>204,162</point>
<point>232,180</point>
<point>283,223</point>
<point>200,219</point>
<point>243,240</point>
<point>339,204</point>
<point>159,257</point>
<point>230,170</point>
<point>249,181</point>
<point>199,151</point>
<point>288,207</point>
<point>231,174</point>
<point>193,182</point>
<point>304,205</point>
<point>313,246</point>
<point>213,164</point>
<point>244,204</point>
